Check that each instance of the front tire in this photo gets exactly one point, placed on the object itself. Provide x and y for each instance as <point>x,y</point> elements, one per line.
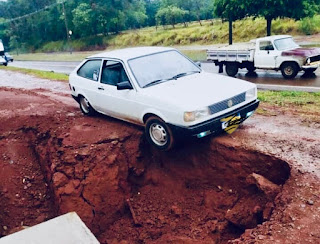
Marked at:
<point>85,107</point>
<point>289,70</point>
<point>309,72</point>
<point>159,134</point>
<point>232,69</point>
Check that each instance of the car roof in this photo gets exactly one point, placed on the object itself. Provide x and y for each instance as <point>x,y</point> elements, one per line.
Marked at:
<point>272,38</point>
<point>129,53</point>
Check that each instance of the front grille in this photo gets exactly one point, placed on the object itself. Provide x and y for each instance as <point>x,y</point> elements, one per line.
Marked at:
<point>220,106</point>
<point>315,59</point>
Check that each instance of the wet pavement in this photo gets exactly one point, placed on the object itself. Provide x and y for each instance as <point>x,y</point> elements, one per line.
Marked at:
<point>266,79</point>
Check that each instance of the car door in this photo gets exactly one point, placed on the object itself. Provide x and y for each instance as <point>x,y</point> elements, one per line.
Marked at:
<point>265,55</point>
<point>122,104</point>
<point>87,81</point>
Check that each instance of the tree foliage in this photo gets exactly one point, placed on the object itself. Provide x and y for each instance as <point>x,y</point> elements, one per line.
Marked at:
<point>44,20</point>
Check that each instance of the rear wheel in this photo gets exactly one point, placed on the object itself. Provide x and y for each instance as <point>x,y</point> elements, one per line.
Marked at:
<point>85,107</point>
<point>232,69</point>
<point>159,134</point>
<point>250,67</point>
<point>289,70</point>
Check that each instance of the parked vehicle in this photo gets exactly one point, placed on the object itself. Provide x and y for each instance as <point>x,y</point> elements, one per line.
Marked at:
<point>162,90</point>
<point>3,60</point>
<point>9,57</point>
<point>271,53</point>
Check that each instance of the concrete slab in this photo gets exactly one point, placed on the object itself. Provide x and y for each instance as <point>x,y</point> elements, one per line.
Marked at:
<point>65,229</point>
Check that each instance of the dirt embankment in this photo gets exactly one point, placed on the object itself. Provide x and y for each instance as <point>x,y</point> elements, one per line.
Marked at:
<point>121,187</point>
<point>55,160</point>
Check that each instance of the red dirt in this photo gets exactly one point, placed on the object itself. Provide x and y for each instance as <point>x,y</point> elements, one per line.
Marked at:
<point>55,160</point>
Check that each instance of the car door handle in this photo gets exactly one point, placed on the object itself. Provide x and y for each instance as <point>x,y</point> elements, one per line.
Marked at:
<point>100,88</point>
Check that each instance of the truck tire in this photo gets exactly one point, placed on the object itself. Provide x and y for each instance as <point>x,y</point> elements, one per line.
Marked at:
<point>232,69</point>
<point>309,72</point>
<point>289,70</point>
<point>250,67</point>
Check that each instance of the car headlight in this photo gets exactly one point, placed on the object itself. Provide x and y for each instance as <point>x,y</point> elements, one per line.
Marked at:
<point>308,61</point>
<point>195,115</point>
<point>252,93</point>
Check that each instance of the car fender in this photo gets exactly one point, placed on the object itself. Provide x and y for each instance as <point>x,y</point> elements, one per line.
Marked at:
<point>283,59</point>
<point>155,112</point>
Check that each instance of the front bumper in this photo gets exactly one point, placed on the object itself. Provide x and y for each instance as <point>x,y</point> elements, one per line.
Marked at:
<point>314,65</point>
<point>214,126</point>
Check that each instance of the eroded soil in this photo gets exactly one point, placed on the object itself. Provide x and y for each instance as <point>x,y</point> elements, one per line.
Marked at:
<point>261,184</point>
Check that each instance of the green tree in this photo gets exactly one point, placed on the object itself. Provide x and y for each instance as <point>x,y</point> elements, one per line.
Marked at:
<point>82,20</point>
<point>170,15</point>
<point>230,10</point>
<point>270,9</point>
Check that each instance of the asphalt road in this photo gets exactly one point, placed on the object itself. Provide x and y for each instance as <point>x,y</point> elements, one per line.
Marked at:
<point>269,80</point>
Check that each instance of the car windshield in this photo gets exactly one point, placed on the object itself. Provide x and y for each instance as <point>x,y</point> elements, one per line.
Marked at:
<point>285,44</point>
<point>160,67</point>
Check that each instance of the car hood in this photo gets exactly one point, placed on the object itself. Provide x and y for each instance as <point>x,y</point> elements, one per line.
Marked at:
<point>198,90</point>
<point>302,52</point>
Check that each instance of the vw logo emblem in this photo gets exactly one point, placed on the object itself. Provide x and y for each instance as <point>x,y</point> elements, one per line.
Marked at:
<point>230,103</point>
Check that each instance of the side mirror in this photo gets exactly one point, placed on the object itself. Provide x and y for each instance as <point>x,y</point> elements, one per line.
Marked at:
<point>198,63</point>
<point>124,85</point>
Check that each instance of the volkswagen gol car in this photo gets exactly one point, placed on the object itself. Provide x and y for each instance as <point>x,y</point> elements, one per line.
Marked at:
<point>162,90</point>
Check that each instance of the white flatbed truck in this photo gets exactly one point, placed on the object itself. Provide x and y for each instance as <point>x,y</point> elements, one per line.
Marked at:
<point>270,53</point>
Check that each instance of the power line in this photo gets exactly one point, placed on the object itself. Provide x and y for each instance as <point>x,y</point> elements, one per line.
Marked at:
<point>35,12</point>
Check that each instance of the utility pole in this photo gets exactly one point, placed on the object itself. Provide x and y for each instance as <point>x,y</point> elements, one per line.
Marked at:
<point>66,24</point>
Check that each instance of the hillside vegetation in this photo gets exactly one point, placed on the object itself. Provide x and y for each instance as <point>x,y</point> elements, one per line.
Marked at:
<point>211,32</point>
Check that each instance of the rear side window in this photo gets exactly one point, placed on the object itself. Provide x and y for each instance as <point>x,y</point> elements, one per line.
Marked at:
<point>90,70</point>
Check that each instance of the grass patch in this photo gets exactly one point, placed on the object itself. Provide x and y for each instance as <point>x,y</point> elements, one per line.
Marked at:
<point>38,73</point>
<point>300,101</point>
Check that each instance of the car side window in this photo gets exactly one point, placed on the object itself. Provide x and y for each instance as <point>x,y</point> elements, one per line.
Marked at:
<point>90,70</point>
<point>113,73</point>
<point>266,46</point>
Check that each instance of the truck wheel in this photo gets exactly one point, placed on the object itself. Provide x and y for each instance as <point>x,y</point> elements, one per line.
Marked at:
<point>159,134</point>
<point>232,69</point>
<point>309,72</point>
<point>250,67</point>
<point>289,70</point>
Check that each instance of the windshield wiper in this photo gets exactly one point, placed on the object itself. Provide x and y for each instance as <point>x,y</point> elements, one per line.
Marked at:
<point>183,74</point>
<point>154,82</point>
<point>172,78</point>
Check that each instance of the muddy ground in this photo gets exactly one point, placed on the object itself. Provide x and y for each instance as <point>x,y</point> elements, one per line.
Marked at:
<point>261,184</point>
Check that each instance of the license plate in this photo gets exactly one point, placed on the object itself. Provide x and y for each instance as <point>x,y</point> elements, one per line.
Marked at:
<point>231,123</point>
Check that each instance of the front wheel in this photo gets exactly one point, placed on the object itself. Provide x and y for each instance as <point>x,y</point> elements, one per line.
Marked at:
<point>232,69</point>
<point>310,71</point>
<point>289,70</point>
<point>85,107</point>
<point>159,134</point>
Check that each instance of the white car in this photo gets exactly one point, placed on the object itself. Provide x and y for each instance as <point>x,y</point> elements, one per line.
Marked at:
<point>162,90</point>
